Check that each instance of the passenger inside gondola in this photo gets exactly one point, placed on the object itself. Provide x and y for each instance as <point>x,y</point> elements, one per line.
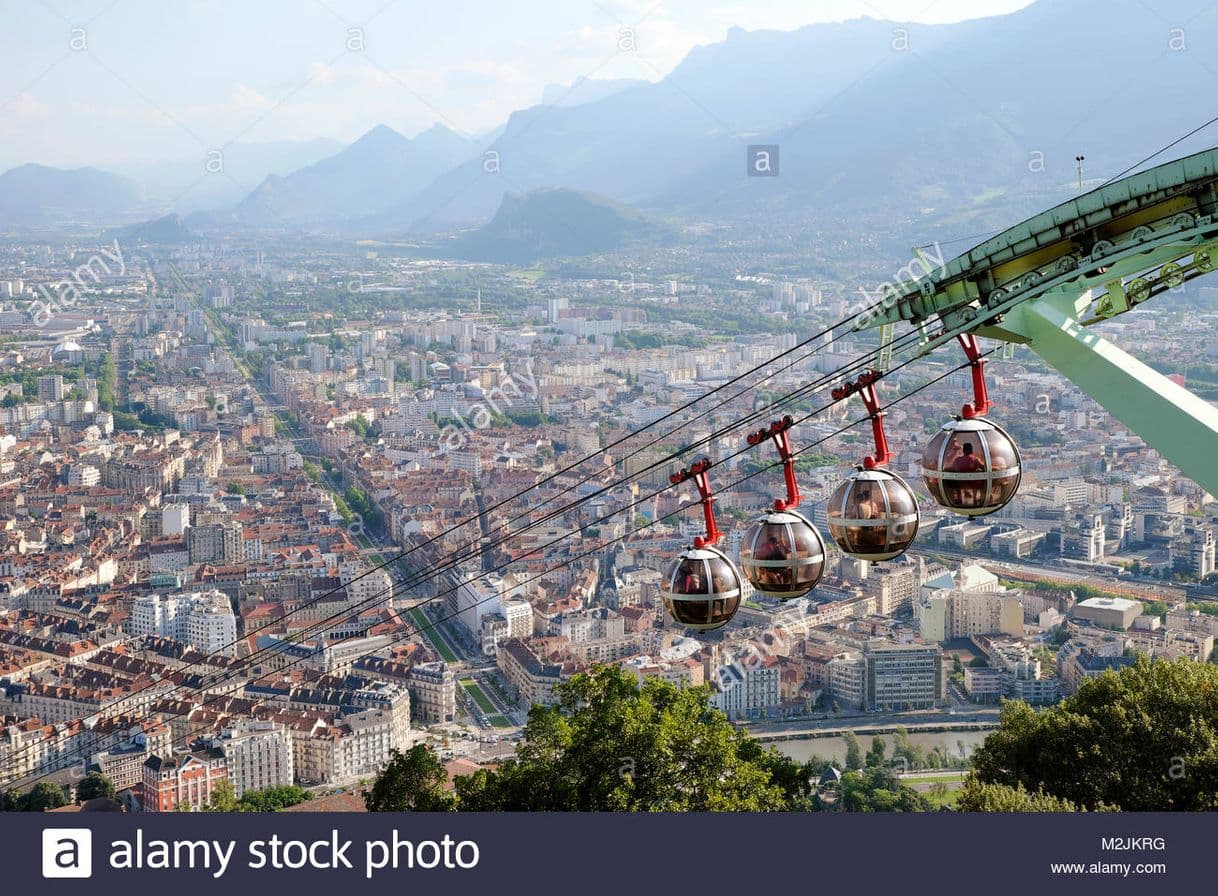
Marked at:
<point>690,579</point>
<point>967,493</point>
<point>866,537</point>
<point>773,549</point>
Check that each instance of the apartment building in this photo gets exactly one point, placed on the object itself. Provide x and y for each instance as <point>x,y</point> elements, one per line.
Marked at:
<point>531,679</point>
<point>433,688</point>
<point>903,676</point>
<point>203,619</point>
<point>258,753</point>
<point>216,543</point>
<point>747,690</point>
<point>962,614</point>
<point>124,763</point>
<point>894,588</point>
<point>171,783</point>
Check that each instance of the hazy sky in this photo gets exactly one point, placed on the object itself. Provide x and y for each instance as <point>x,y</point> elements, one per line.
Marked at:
<point>101,81</point>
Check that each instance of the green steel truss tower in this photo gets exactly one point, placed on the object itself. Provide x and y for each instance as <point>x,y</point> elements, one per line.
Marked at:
<point>1043,282</point>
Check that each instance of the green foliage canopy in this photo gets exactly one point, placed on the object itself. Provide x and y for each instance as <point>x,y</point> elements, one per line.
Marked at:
<point>1141,740</point>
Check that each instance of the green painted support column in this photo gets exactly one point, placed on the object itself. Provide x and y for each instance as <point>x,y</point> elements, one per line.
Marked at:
<point>1179,425</point>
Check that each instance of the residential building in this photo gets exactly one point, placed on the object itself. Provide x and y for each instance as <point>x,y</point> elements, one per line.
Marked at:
<point>903,676</point>
<point>84,475</point>
<point>203,619</point>
<point>186,779</point>
<point>50,388</point>
<point>746,690</point>
<point>531,679</point>
<point>216,543</point>
<point>258,753</point>
<point>961,614</point>
<point>433,689</point>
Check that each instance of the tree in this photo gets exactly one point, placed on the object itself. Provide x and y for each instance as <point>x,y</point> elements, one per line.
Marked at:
<point>877,789</point>
<point>978,797</point>
<point>854,752</point>
<point>907,755</point>
<point>412,782</point>
<point>107,381</point>
<point>235,488</point>
<point>223,799</point>
<point>875,756</point>
<point>357,500</point>
<point>44,796</point>
<point>1141,740</point>
<point>94,785</point>
<point>272,799</point>
<point>610,744</point>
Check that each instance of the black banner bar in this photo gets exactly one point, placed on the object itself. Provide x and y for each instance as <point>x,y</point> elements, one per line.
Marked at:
<point>485,854</point>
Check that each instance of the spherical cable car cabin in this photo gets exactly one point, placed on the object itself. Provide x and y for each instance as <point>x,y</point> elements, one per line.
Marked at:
<point>782,554</point>
<point>702,588</point>
<point>972,466</point>
<point>873,514</point>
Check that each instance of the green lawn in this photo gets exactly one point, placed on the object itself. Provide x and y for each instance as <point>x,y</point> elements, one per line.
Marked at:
<point>499,721</point>
<point>483,701</point>
<point>948,799</point>
<point>421,623</point>
<point>931,779</point>
<point>494,683</point>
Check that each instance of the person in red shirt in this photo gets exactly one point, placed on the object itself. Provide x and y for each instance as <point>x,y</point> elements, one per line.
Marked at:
<point>773,550</point>
<point>968,462</point>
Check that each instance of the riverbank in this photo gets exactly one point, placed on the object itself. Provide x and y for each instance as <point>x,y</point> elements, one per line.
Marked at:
<point>778,731</point>
<point>958,744</point>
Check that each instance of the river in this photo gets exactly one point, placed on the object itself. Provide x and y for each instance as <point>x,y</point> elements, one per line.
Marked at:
<point>834,746</point>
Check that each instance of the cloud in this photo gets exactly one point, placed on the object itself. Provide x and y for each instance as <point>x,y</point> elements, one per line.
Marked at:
<point>24,107</point>
<point>244,97</point>
<point>645,47</point>
<point>322,74</point>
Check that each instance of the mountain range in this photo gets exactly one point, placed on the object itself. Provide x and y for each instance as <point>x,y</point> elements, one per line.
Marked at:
<point>171,229</point>
<point>38,194</point>
<point>191,184</point>
<point>876,123</point>
<point>376,172</point>
<point>554,222</point>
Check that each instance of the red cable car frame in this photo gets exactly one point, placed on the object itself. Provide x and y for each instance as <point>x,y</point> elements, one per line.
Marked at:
<point>972,466</point>
<point>782,554</point>
<point>873,514</point>
<point>702,588</point>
